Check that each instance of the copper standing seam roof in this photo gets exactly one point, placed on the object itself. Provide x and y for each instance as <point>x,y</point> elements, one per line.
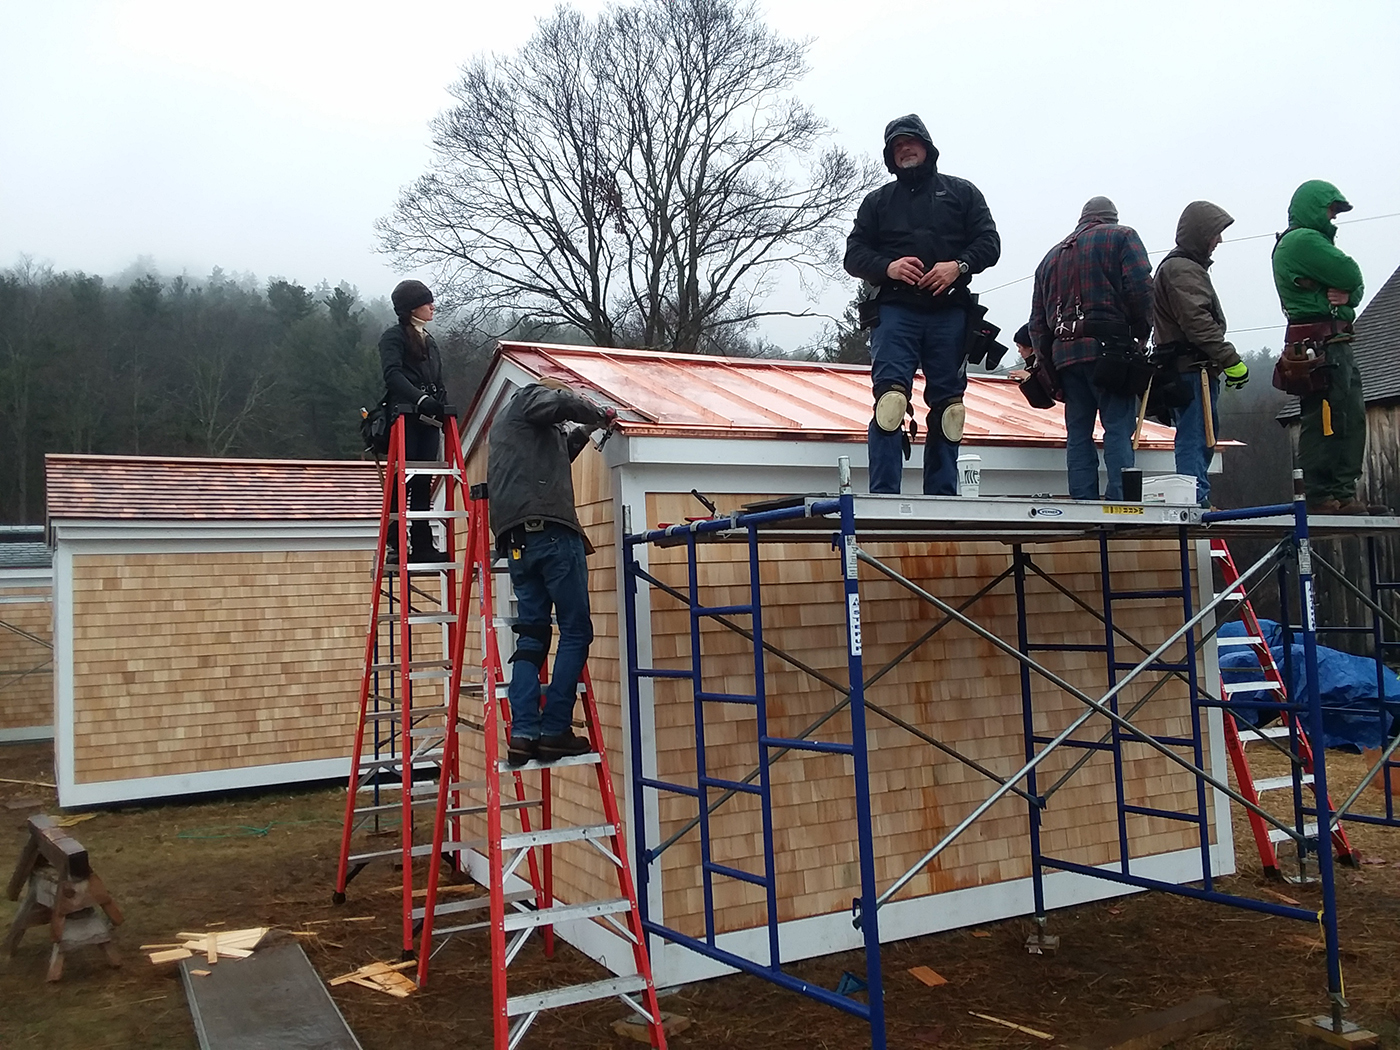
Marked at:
<point>690,395</point>
<point>171,488</point>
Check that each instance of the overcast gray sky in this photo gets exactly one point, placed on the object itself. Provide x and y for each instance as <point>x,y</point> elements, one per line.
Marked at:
<point>268,137</point>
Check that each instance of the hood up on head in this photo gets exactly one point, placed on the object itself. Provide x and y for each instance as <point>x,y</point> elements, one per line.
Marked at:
<point>1098,209</point>
<point>1308,208</point>
<point>1199,223</point>
<point>908,125</point>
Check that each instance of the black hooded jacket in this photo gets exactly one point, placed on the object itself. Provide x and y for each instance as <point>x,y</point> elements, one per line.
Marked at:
<point>923,213</point>
<point>405,378</point>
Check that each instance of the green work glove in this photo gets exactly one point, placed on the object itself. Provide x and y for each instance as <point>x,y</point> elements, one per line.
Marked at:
<point>1237,375</point>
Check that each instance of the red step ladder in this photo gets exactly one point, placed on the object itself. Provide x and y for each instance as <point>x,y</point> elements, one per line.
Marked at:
<point>515,914</point>
<point>399,753</point>
<point>1290,728</point>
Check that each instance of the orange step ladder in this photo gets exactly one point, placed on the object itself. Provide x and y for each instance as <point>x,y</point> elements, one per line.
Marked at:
<point>1289,727</point>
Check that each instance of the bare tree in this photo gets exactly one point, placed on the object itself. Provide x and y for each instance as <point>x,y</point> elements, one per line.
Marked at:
<point>642,177</point>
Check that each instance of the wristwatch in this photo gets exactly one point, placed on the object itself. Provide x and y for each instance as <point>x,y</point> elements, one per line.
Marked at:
<point>962,267</point>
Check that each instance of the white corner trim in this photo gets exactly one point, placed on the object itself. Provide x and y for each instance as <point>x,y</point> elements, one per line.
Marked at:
<point>107,791</point>
<point>63,669</point>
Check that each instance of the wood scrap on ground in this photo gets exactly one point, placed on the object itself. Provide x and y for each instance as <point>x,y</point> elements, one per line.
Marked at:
<point>1161,1027</point>
<point>212,944</point>
<point>1012,1024</point>
<point>382,977</point>
<point>929,977</point>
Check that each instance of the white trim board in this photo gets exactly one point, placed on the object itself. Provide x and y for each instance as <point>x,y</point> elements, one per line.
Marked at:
<point>106,791</point>
<point>25,734</point>
<point>820,935</point>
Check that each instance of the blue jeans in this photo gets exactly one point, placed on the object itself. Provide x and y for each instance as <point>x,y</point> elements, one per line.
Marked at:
<point>550,573</point>
<point>904,341</point>
<point>1118,413</point>
<point>1192,456</point>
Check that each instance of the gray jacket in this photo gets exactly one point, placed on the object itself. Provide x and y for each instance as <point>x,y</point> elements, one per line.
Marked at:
<point>1185,308</point>
<point>527,471</point>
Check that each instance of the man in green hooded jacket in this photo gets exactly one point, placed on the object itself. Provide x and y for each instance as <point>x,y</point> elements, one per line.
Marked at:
<point>1319,287</point>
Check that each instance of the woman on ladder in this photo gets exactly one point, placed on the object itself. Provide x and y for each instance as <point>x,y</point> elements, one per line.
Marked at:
<point>413,383</point>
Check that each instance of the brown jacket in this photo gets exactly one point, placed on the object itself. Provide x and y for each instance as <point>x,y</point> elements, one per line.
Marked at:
<point>1185,308</point>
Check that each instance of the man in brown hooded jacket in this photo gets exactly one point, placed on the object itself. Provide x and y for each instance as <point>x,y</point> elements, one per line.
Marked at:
<point>1189,324</point>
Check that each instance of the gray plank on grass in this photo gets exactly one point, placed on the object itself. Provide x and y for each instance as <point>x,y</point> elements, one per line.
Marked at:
<point>272,1000</point>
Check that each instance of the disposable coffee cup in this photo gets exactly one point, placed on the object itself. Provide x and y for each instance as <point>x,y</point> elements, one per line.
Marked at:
<point>1132,484</point>
<point>969,475</point>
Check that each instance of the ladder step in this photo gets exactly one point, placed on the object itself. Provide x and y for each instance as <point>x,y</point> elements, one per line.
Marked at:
<point>413,712</point>
<point>552,836</point>
<point>464,811</point>
<point>473,903</point>
<point>397,760</point>
<point>575,993</point>
<point>1276,783</point>
<point>413,665</point>
<point>416,618</point>
<point>429,466</point>
<point>431,515</point>
<point>424,850</point>
<point>1240,639</point>
<point>1270,732</point>
<point>561,913</point>
<point>1279,835</point>
<point>590,759</point>
<point>419,568</point>
<point>1250,687</point>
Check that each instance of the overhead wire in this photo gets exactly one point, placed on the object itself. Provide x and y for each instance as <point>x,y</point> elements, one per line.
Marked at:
<point>1227,240</point>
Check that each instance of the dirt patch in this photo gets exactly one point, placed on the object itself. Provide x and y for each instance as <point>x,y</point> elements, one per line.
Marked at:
<point>268,858</point>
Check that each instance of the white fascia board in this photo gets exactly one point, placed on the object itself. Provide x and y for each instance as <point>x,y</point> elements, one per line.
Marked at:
<point>25,734</point>
<point>35,577</point>
<point>1216,762</point>
<point>109,791</point>
<point>63,749</point>
<point>136,537</point>
<point>505,379</point>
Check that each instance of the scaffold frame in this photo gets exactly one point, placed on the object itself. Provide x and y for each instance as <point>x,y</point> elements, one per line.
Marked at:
<point>843,521</point>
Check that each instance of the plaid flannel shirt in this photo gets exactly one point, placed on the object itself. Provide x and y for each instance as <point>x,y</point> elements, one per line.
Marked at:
<point>1115,289</point>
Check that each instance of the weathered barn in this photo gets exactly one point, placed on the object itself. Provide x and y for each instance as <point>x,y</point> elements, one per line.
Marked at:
<point>738,431</point>
<point>26,634</point>
<point>209,621</point>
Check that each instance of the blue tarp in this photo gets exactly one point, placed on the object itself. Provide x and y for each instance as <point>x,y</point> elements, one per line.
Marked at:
<point>1350,712</point>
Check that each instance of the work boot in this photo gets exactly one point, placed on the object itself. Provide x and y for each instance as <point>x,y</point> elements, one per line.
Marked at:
<point>563,746</point>
<point>1353,507</point>
<point>520,749</point>
<point>420,543</point>
<point>1326,506</point>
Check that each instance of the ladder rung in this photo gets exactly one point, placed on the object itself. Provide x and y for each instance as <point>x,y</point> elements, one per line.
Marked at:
<point>1270,732</point>
<point>1279,835</point>
<point>397,760</point>
<point>1229,688</point>
<point>429,466</point>
<point>426,732</point>
<point>413,712</point>
<point>395,807</point>
<point>552,836</point>
<point>1275,783</point>
<point>590,759</point>
<point>413,665</point>
<point>562,913</point>
<point>424,850</point>
<point>1218,552</point>
<point>419,568</point>
<point>416,618</point>
<point>574,993</point>
<point>1240,639</point>
<point>473,903</point>
<point>431,515</point>
<point>464,811</point>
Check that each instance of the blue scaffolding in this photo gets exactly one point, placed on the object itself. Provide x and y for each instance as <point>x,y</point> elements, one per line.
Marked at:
<point>842,521</point>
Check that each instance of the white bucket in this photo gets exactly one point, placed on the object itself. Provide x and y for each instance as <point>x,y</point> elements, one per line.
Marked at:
<point>969,475</point>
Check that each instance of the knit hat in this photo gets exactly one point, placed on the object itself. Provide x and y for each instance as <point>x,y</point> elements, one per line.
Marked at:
<point>1022,336</point>
<point>410,295</point>
<point>1100,209</point>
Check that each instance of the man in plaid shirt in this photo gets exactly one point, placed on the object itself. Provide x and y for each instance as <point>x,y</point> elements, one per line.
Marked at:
<point>1093,286</point>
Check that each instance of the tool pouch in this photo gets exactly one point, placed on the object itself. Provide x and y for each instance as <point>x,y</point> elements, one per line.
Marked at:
<point>1122,367</point>
<point>1302,370</point>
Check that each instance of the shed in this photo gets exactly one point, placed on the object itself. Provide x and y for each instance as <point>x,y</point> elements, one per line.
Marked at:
<point>738,431</point>
<point>209,621</point>
<point>26,634</point>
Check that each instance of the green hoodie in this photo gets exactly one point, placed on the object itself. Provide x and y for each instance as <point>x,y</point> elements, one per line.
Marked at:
<point>1307,263</point>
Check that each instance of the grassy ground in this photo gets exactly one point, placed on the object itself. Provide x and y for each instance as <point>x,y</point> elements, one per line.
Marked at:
<point>268,859</point>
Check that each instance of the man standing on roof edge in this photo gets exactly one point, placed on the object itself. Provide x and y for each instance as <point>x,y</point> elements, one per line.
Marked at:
<point>1319,287</point>
<point>919,240</point>
<point>530,486</point>
<point>1189,326</point>
<point>1091,310</point>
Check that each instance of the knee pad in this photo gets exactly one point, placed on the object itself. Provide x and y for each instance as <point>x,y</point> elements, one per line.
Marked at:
<point>530,654</point>
<point>948,418</point>
<point>891,405</point>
